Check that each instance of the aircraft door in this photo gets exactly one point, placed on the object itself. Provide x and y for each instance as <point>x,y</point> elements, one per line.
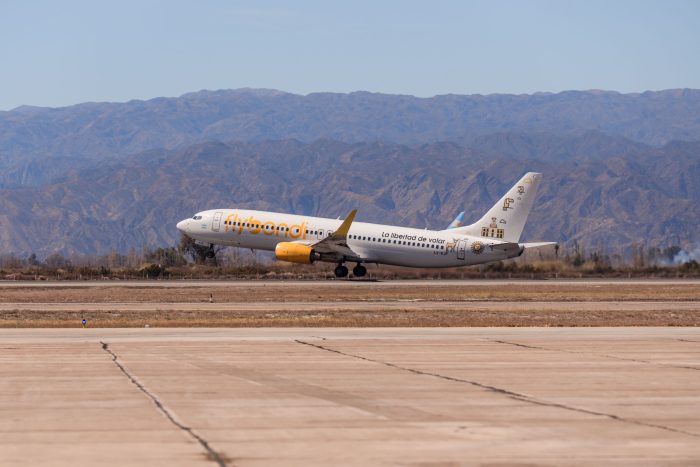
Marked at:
<point>216,223</point>
<point>461,249</point>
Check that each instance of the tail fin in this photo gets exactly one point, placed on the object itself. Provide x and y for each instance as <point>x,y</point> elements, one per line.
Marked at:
<point>506,219</point>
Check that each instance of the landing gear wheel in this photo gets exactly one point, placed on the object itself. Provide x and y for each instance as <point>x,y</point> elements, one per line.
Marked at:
<point>341,271</point>
<point>359,271</point>
<point>210,254</point>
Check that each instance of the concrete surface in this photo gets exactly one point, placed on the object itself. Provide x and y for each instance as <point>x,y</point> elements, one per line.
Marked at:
<point>346,282</point>
<point>439,396</point>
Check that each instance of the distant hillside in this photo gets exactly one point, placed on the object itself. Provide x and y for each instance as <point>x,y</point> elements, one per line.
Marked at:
<point>39,145</point>
<point>645,195</point>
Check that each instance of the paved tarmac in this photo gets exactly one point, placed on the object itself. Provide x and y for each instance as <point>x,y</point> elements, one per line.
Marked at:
<point>328,396</point>
<point>345,282</point>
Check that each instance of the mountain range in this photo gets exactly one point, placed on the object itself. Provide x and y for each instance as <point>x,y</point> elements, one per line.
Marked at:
<point>620,169</point>
<point>649,198</point>
<point>38,144</point>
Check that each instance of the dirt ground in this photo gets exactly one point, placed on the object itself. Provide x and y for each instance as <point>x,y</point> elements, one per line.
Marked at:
<point>372,305</point>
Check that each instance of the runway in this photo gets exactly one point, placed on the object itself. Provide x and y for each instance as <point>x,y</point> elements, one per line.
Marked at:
<point>350,396</point>
<point>343,282</point>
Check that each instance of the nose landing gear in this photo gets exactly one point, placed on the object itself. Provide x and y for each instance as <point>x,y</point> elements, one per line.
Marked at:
<point>210,253</point>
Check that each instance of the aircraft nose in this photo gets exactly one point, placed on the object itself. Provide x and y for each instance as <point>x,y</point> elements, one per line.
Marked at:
<point>182,225</point>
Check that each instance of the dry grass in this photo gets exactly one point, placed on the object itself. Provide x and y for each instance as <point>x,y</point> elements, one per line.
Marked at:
<point>564,315</point>
<point>340,291</point>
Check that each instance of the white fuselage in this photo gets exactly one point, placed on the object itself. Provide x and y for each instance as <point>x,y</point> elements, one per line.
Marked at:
<point>374,243</point>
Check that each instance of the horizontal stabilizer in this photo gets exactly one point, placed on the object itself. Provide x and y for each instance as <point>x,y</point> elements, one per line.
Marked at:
<point>508,247</point>
<point>537,244</point>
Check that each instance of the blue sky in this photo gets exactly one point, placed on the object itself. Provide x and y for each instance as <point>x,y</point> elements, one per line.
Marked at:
<point>58,53</point>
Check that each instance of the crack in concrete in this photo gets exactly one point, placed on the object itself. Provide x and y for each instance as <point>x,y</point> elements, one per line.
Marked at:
<point>613,357</point>
<point>512,394</point>
<point>211,453</point>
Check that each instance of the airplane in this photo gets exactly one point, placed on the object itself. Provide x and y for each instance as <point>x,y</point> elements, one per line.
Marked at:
<point>306,239</point>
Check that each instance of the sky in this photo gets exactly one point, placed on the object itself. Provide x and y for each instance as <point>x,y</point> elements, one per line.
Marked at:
<point>60,53</point>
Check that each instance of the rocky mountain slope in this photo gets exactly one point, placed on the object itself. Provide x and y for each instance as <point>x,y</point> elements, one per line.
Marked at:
<point>39,145</point>
<point>634,193</point>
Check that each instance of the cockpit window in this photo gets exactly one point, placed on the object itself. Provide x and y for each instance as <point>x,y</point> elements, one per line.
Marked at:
<point>197,218</point>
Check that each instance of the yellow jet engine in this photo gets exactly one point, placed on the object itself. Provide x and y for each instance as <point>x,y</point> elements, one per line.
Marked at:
<point>295,253</point>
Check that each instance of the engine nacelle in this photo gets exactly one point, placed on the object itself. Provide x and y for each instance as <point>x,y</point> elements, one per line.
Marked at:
<point>295,253</point>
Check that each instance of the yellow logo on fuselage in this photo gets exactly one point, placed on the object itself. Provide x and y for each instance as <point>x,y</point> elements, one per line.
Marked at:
<point>255,226</point>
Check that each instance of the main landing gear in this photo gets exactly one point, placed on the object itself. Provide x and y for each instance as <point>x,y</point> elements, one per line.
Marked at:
<point>341,271</point>
<point>358,271</point>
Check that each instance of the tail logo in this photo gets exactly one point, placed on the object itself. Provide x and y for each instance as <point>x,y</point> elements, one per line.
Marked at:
<point>507,204</point>
<point>493,230</point>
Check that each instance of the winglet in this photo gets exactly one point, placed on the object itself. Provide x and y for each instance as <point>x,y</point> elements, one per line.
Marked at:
<point>342,231</point>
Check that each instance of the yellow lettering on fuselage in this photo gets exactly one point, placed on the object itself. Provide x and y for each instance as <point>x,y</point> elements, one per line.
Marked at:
<point>228,222</point>
<point>255,226</point>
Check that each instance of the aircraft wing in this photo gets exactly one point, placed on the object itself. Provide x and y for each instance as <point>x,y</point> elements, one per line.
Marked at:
<point>336,244</point>
<point>457,222</point>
